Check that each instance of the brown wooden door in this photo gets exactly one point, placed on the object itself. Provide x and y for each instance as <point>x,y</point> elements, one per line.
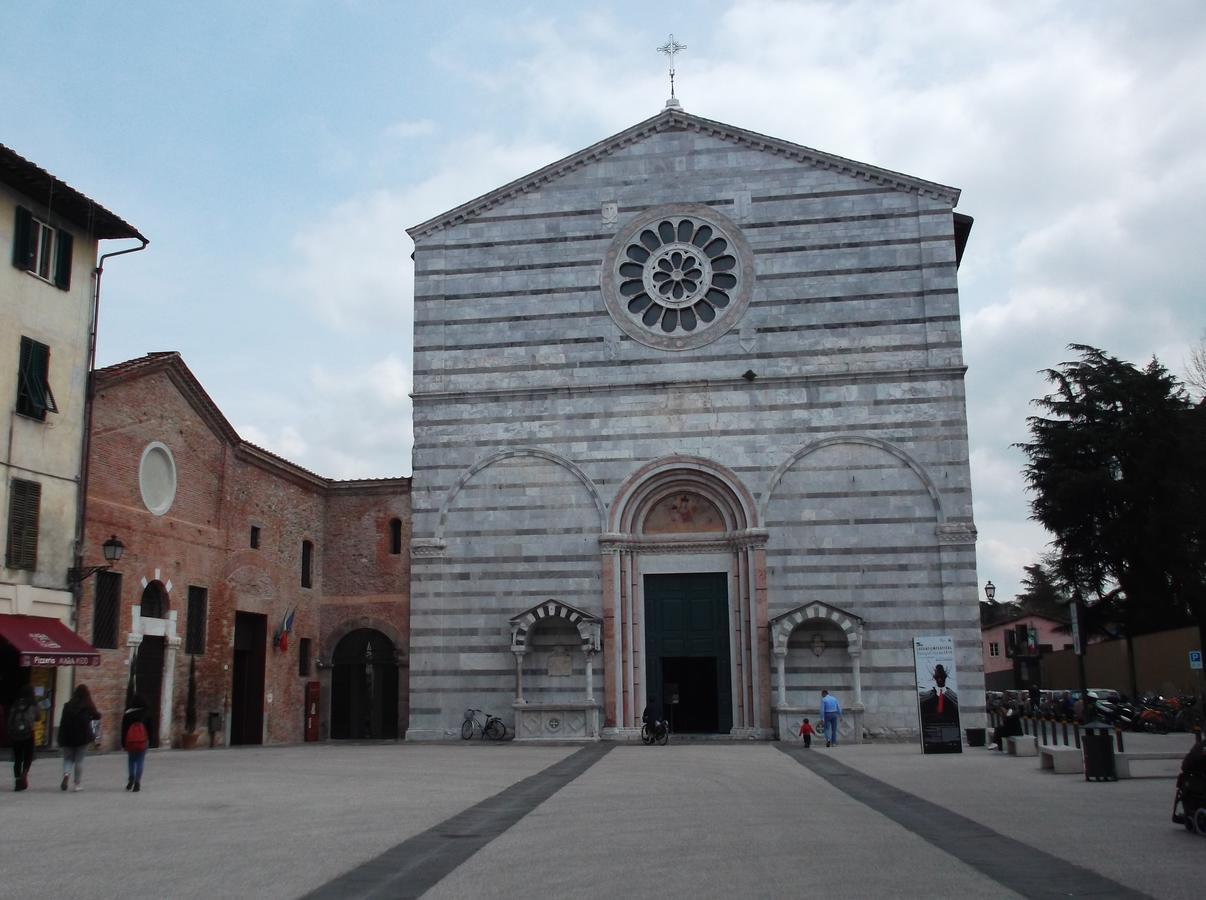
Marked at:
<point>247,679</point>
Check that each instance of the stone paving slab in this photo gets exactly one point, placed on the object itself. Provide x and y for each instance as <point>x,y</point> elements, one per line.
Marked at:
<point>252,822</point>
<point>708,820</point>
<point>1121,830</point>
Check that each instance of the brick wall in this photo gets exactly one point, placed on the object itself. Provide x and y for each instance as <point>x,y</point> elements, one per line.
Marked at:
<point>225,487</point>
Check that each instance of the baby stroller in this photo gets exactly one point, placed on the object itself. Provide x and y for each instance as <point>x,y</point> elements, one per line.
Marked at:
<point>1189,804</point>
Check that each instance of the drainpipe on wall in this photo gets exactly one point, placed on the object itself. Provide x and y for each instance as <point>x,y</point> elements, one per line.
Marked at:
<point>86,442</point>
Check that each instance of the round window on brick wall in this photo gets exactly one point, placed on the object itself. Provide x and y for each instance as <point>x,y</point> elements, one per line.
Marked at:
<point>157,478</point>
<point>677,277</point>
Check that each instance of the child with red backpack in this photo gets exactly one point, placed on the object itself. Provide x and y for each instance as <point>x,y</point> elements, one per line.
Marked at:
<point>135,738</point>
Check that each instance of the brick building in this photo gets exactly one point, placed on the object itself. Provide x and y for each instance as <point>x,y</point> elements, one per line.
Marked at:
<point>226,547</point>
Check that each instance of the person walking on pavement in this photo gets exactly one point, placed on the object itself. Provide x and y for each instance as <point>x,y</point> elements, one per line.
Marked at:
<point>75,734</point>
<point>22,718</point>
<point>135,736</point>
<point>806,733</point>
<point>831,711</point>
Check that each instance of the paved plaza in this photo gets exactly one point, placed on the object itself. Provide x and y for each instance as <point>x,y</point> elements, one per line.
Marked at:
<point>688,819</point>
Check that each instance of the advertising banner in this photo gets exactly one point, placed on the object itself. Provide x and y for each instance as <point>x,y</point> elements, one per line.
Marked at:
<point>937,694</point>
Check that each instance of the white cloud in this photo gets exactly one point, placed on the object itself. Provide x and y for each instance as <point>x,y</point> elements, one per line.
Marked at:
<point>1075,132</point>
<point>404,131</point>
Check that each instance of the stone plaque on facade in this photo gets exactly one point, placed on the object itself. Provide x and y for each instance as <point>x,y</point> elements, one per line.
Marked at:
<point>560,664</point>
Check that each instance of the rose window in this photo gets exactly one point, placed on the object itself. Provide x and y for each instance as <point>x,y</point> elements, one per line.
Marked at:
<point>676,280</point>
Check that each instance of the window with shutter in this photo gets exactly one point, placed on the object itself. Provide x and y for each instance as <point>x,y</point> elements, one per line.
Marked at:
<point>106,610</point>
<point>194,635</point>
<point>24,250</point>
<point>42,250</point>
<point>34,396</point>
<point>24,507</point>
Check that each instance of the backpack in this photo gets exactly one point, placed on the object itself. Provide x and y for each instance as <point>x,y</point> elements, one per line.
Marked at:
<point>21,720</point>
<point>136,737</point>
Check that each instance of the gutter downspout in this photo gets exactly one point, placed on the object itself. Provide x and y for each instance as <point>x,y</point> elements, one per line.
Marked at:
<point>86,441</point>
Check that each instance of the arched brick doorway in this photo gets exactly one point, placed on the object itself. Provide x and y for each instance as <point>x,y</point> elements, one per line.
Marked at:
<point>364,687</point>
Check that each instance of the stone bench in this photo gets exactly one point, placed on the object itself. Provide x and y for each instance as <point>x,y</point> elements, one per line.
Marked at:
<point>1122,762</point>
<point>1061,760</point>
<point>1024,745</point>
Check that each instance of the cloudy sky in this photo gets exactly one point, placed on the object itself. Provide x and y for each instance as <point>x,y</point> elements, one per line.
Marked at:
<point>274,152</point>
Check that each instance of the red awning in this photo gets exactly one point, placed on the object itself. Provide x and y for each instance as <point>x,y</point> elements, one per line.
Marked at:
<point>46,642</point>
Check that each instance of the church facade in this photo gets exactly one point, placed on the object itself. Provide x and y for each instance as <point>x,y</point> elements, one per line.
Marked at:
<point>690,434</point>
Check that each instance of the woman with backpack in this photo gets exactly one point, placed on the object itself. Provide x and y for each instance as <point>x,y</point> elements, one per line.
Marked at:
<point>22,718</point>
<point>135,736</point>
<point>75,734</point>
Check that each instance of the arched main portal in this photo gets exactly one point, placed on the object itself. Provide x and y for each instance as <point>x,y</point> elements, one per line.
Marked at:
<point>151,655</point>
<point>685,623</point>
<point>364,687</point>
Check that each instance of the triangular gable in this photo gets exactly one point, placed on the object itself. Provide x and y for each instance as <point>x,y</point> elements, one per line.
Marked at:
<point>173,366</point>
<point>677,120</point>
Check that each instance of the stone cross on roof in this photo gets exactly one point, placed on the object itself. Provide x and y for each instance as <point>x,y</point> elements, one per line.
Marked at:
<point>670,48</point>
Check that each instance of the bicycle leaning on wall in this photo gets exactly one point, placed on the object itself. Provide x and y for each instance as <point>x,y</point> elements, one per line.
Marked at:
<point>492,727</point>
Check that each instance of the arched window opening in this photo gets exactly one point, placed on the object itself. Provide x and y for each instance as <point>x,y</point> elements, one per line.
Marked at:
<point>154,601</point>
<point>307,564</point>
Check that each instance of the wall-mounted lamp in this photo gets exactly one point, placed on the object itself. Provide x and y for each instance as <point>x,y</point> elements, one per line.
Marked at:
<point>990,591</point>
<point>112,548</point>
<point>818,644</point>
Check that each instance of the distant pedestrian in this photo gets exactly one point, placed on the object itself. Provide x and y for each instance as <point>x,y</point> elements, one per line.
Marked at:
<point>1035,699</point>
<point>831,711</point>
<point>22,718</point>
<point>135,737</point>
<point>75,734</point>
<point>806,732</point>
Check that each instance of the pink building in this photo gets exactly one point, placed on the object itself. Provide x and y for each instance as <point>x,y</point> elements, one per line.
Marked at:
<point>1003,668</point>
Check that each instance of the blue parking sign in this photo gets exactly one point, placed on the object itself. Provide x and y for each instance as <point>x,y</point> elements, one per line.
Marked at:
<point>1195,659</point>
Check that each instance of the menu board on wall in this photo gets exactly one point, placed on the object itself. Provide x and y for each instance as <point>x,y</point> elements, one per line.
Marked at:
<point>937,694</point>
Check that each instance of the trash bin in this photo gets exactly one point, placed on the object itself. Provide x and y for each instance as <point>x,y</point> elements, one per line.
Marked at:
<point>1097,744</point>
<point>976,737</point>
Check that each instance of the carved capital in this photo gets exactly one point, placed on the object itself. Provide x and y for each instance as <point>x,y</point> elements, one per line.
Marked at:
<point>955,534</point>
<point>427,549</point>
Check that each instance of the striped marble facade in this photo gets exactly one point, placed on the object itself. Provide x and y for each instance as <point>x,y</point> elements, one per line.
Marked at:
<point>827,430</point>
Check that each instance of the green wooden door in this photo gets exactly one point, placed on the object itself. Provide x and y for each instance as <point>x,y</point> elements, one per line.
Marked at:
<point>687,645</point>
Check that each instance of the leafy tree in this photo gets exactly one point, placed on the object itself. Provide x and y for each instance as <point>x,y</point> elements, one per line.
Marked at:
<point>1116,474</point>
<point>1195,369</point>
<point>1043,592</point>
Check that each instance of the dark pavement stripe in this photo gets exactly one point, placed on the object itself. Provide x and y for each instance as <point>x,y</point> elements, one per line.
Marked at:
<point>416,864</point>
<point>1021,868</point>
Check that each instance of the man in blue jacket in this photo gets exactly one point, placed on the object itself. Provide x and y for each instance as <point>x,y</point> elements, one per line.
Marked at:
<point>830,713</point>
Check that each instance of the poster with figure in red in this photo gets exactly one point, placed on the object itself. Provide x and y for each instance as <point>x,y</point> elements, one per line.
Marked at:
<point>937,694</point>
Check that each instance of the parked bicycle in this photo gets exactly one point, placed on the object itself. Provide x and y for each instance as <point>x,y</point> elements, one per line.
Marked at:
<point>653,729</point>
<point>491,727</point>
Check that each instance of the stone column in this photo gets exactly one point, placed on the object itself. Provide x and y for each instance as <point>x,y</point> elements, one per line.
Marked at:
<point>172,644</point>
<point>781,670</point>
<point>856,671</point>
<point>519,654</point>
<point>590,676</point>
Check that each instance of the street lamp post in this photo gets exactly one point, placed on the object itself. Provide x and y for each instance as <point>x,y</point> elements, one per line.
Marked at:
<point>112,548</point>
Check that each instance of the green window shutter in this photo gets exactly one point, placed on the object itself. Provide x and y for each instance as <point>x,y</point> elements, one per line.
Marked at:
<point>34,397</point>
<point>62,261</point>
<point>23,245</point>
<point>24,506</point>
